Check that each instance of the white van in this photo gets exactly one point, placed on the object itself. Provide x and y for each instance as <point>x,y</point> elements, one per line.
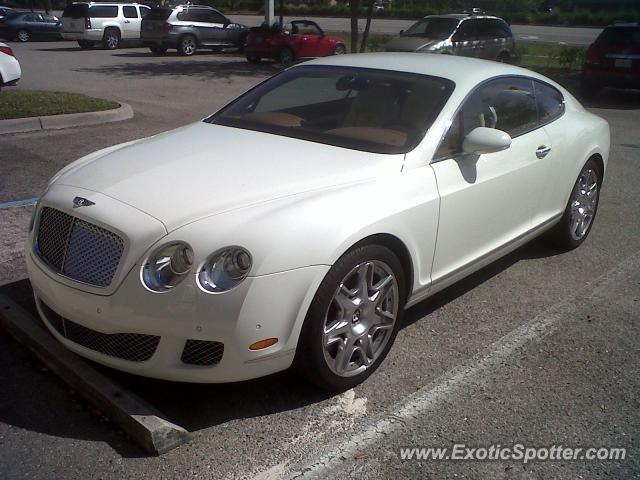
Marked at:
<point>106,23</point>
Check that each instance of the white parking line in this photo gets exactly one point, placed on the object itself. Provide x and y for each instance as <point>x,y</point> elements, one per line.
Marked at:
<point>18,203</point>
<point>415,405</point>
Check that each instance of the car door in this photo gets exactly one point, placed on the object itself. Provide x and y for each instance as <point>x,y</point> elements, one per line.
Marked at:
<point>221,34</point>
<point>465,40</point>
<point>131,22</point>
<point>309,40</point>
<point>52,25</point>
<point>488,200</point>
<point>551,109</point>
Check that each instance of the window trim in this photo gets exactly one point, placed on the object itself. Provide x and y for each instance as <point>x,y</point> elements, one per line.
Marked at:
<point>435,159</point>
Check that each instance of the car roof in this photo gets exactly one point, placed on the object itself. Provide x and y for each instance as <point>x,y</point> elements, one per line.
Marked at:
<point>464,16</point>
<point>463,71</point>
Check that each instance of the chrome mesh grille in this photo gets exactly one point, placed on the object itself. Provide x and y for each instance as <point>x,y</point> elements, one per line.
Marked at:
<point>202,352</point>
<point>134,347</point>
<point>78,249</point>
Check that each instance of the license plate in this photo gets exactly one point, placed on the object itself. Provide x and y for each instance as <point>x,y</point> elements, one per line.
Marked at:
<point>623,63</point>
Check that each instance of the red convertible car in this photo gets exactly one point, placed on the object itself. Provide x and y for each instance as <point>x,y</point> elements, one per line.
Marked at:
<point>296,39</point>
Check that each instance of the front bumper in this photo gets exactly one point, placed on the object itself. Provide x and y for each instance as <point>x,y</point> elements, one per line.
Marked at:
<point>269,306</point>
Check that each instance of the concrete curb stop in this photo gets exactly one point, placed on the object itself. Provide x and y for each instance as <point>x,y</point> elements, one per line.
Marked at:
<point>143,423</point>
<point>66,120</point>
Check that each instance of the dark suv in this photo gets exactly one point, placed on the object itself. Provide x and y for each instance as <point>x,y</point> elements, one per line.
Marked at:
<point>613,60</point>
<point>189,27</point>
<point>468,35</point>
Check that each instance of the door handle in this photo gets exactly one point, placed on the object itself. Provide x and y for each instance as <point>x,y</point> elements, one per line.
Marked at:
<point>542,151</point>
<point>127,21</point>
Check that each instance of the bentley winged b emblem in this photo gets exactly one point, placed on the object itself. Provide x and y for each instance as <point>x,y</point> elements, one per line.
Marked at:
<point>82,202</point>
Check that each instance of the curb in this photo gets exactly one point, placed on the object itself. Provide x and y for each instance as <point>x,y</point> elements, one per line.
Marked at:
<point>65,120</point>
<point>143,423</point>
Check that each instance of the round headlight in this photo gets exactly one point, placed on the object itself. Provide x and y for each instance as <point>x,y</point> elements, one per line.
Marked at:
<point>167,266</point>
<point>225,269</point>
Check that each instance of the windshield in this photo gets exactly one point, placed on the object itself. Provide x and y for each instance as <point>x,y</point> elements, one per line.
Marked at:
<point>377,111</point>
<point>432,27</point>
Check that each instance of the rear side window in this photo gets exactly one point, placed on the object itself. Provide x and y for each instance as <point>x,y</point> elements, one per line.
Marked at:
<point>158,14</point>
<point>144,11</point>
<point>103,11</point>
<point>76,10</point>
<point>550,102</point>
<point>196,15</point>
<point>129,12</point>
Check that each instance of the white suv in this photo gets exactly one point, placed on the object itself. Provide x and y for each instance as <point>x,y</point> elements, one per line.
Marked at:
<point>106,23</point>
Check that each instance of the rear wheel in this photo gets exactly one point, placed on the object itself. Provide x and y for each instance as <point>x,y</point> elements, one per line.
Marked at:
<point>111,39</point>
<point>188,45</point>
<point>253,58</point>
<point>580,212</point>
<point>85,44</point>
<point>23,36</point>
<point>286,56</point>
<point>353,319</point>
<point>158,50</point>
<point>339,49</point>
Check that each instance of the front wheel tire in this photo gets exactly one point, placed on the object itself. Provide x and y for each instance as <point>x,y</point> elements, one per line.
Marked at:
<point>580,212</point>
<point>188,46</point>
<point>286,57</point>
<point>23,36</point>
<point>353,319</point>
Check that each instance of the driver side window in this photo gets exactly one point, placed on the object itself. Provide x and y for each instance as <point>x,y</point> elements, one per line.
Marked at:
<point>507,104</point>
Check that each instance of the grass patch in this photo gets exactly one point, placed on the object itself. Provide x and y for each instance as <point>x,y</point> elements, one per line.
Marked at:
<point>538,56</point>
<point>375,41</point>
<point>33,103</point>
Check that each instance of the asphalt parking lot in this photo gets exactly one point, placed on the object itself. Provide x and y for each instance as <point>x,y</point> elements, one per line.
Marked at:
<point>540,348</point>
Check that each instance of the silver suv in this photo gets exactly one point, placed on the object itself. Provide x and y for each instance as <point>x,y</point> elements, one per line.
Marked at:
<point>189,27</point>
<point>469,35</point>
<point>106,23</point>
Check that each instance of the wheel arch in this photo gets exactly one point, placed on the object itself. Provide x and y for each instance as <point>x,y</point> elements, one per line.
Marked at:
<point>399,249</point>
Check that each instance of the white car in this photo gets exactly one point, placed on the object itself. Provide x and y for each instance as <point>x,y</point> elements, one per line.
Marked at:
<point>296,224</point>
<point>10,71</point>
<point>106,23</point>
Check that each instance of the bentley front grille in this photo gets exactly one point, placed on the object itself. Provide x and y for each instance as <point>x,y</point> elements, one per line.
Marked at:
<point>78,249</point>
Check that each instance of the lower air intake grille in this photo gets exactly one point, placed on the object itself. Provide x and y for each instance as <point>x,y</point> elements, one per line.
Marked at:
<point>202,352</point>
<point>134,347</point>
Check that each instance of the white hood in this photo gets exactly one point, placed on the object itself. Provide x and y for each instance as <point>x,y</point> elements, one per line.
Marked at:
<point>204,169</point>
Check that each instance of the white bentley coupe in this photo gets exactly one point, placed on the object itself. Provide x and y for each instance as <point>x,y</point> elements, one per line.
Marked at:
<point>295,225</point>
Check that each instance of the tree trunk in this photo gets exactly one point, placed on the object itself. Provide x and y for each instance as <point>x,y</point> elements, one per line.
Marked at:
<point>365,34</point>
<point>355,7</point>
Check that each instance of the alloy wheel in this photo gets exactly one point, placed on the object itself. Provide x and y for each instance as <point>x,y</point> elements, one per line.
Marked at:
<point>360,319</point>
<point>188,46</point>
<point>583,204</point>
<point>23,36</point>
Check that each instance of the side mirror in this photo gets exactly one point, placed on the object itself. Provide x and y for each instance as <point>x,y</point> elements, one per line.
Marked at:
<point>401,32</point>
<point>486,140</point>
